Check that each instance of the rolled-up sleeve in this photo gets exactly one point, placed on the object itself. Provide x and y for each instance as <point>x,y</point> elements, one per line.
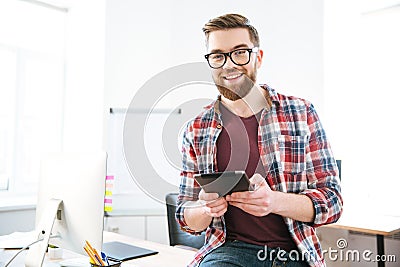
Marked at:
<point>188,189</point>
<point>324,187</point>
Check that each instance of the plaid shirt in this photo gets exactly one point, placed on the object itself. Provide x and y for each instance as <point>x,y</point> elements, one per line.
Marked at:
<point>296,156</point>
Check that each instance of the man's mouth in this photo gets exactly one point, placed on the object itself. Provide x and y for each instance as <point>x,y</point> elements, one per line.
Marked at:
<point>233,76</point>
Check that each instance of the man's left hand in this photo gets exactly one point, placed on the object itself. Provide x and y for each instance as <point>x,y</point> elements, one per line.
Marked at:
<point>259,202</point>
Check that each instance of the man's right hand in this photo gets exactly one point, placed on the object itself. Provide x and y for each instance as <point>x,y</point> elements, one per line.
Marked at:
<point>213,204</point>
<point>199,214</point>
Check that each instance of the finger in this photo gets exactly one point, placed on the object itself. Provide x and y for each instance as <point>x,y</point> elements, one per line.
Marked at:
<point>243,196</point>
<point>208,196</point>
<point>218,214</point>
<point>216,202</point>
<point>216,211</point>
<point>257,181</point>
<point>250,201</point>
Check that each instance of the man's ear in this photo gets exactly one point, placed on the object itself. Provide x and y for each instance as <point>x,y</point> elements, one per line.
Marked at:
<point>260,55</point>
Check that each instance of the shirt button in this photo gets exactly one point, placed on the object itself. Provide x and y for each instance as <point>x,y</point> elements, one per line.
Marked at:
<point>223,238</point>
<point>219,126</point>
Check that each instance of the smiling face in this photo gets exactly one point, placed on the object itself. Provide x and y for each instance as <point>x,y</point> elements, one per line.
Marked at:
<point>234,82</point>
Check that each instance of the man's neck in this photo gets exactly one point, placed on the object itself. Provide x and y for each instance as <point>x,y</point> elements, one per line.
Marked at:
<point>251,104</point>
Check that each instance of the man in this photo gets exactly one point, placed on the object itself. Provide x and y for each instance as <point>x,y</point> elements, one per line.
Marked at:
<point>278,141</point>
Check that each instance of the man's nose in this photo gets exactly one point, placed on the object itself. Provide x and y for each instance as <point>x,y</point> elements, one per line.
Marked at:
<point>229,63</point>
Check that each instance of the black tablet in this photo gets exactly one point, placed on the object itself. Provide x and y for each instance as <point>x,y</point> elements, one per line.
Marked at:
<point>121,252</point>
<point>224,183</point>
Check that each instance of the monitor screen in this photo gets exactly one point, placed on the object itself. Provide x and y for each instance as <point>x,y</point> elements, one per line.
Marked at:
<point>71,194</point>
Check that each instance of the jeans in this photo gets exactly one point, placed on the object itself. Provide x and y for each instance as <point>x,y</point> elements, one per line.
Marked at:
<point>241,254</point>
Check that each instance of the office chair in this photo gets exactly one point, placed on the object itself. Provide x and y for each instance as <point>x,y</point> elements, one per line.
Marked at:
<point>339,164</point>
<point>178,237</point>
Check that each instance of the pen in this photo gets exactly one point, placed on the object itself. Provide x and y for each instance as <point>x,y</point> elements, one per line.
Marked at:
<point>99,260</point>
<point>105,258</point>
<point>95,253</point>
<point>91,256</point>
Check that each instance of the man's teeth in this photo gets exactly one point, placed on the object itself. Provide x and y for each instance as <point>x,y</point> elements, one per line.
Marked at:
<point>232,76</point>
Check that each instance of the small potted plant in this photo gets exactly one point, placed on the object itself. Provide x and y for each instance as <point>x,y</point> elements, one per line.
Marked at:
<point>54,252</point>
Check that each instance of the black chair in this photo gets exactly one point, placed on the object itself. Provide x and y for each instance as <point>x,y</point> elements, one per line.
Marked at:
<point>178,237</point>
<point>339,164</point>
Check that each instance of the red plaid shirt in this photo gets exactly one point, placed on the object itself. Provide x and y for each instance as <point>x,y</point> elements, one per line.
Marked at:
<point>296,156</point>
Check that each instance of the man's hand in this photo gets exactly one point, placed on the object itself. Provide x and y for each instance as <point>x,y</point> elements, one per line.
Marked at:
<point>199,214</point>
<point>259,202</point>
<point>214,206</point>
<point>263,201</point>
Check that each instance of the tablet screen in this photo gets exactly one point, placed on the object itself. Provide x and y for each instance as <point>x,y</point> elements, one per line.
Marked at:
<point>224,183</point>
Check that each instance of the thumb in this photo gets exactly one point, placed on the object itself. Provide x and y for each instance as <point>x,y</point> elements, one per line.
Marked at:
<point>257,181</point>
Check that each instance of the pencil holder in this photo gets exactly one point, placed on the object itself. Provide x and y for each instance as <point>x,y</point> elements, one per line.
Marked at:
<point>112,264</point>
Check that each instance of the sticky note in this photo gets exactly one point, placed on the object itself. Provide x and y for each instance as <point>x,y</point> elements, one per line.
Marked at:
<point>108,193</point>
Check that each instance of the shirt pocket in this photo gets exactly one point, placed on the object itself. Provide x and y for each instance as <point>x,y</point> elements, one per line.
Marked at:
<point>292,151</point>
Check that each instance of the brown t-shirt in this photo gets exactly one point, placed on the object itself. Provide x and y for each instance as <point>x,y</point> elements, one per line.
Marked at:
<point>237,149</point>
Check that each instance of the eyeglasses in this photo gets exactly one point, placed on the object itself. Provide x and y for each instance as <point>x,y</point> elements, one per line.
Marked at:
<point>239,56</point>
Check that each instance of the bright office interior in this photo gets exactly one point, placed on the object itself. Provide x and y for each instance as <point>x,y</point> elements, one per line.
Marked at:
<point>64,64</point>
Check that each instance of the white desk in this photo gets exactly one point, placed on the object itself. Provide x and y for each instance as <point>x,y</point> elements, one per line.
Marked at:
<point>167,256</point>
<point>367,222</point>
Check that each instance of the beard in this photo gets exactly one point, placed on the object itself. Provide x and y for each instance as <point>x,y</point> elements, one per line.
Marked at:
<point>235,91</point>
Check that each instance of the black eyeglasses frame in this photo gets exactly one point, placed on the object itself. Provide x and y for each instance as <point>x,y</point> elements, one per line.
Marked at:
<point>229,54</point>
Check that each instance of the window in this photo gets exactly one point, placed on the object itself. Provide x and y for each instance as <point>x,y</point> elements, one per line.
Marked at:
<point>32,60</point>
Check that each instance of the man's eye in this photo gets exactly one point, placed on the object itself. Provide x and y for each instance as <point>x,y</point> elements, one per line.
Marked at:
<point>217,56</point>
<point>240,52</point>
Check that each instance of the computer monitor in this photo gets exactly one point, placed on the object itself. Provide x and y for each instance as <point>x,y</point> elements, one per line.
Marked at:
<point>71,195</point>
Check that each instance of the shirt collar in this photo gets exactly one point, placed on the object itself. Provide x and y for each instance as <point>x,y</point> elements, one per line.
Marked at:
<point>272,97</point>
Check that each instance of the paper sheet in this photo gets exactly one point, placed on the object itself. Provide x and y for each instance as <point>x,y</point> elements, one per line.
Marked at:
<point>17,240</point>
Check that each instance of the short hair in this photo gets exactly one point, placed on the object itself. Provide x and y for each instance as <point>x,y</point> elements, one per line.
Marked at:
<point>231,21</point>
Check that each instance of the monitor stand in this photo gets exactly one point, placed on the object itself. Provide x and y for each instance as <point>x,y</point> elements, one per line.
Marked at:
<point>36,252</point>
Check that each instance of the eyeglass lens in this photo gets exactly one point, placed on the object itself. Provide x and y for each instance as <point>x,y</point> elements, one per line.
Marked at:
<point>239,57</point>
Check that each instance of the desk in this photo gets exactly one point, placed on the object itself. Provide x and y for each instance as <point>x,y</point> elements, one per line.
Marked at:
<point>365,222</point>
<point>167,256</point>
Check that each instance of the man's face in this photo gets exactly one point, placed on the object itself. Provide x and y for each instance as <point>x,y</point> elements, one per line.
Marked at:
<point>234,82</point>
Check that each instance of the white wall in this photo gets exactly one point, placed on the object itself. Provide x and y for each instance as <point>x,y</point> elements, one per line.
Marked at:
<point>20,219</point>
<point>362,62</point>
<point>361,67</point>
<point>144,39</point>
<point>84,98</point>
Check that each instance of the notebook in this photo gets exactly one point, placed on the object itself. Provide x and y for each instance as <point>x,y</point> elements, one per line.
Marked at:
<point>122,252</point>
